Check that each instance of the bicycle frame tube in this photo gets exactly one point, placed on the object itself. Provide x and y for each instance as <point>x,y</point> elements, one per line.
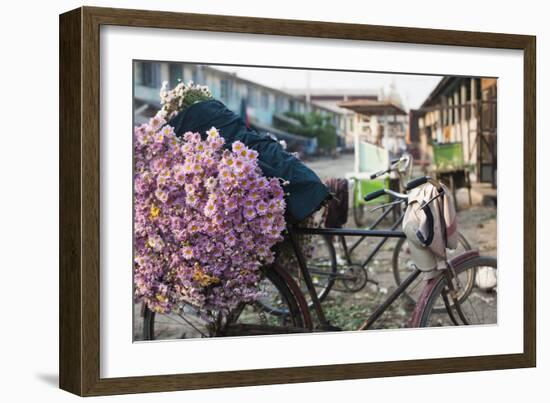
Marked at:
<point>307,278</point>
<point>292,231</point>
<point>378,233</point>
<point>373,226</point>
<point>393,296</point>
<point>382,242</point>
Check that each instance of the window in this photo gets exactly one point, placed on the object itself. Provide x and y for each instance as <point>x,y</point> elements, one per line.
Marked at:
<point>470,106</point>
<point>225,90</point>
<point>176,74</point>
<point>150,74</point>
<point>251,96</point>
<point>292,105</point>
<point>137,73</point>
<point>147,74</point>
<point>451,119</point>
<point>264,100</point>
<point>279,103</point>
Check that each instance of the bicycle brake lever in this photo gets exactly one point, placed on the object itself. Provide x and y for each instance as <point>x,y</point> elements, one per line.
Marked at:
<point>385,205</point>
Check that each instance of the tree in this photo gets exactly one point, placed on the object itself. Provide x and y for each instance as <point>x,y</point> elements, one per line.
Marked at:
<point>312,125</point>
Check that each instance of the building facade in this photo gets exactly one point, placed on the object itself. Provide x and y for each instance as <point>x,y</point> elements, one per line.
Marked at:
<point>460,110</point>
<point>352,124</point>
<point>262,104</point>
<point>379,122</point>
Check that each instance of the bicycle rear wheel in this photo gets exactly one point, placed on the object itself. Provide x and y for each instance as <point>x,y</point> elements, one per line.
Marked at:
<point>479,308</point>
<point>247,319</point>
<point>318,251</point>
<point>321,265</point>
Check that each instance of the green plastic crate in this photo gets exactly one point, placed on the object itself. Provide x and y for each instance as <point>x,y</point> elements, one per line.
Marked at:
<point>448,157</point>
<point>365,187</point>
<point>371,159</point>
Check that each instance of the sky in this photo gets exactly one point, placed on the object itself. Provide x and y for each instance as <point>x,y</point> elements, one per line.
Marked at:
<point>413,89</point>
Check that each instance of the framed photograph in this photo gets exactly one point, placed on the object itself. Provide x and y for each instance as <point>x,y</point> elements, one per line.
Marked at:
<point>249,201</point>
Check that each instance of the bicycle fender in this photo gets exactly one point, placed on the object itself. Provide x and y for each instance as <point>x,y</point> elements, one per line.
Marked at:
<point>431,283</point>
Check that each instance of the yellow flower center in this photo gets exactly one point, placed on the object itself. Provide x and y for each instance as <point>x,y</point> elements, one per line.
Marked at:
<point>155,211</point>
<point>204,279</point>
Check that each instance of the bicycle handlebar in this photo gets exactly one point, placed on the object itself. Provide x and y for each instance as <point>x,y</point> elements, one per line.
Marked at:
<point>374,195</point>
<point>420,181</point>
<point>410,185</point>
<point>416,182</point>
<point>381,192</point>
<point>379,173</point>
<point>406,158</point>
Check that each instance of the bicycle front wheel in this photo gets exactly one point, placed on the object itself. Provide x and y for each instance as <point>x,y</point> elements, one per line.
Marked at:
<point>402,266</point>
<point>480,306</point>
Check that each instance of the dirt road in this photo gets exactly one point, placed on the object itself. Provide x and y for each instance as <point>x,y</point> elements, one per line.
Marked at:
<point>332,167</point>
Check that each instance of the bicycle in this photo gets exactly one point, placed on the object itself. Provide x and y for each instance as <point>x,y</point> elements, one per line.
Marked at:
<point>252,319</point>
<point>398,172</point>
<point>323,262</point>
<point>401,261</point>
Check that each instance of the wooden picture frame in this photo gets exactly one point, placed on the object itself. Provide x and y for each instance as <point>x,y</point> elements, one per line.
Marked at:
<point>79,346</point>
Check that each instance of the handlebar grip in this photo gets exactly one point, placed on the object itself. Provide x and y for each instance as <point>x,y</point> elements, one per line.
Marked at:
<point>395,161</point>
<point>374,195</point>
<point>379,173</point>
<point>417,182</point>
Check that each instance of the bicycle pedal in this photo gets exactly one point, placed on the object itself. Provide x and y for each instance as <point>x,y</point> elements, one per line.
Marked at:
<point>375,282</point>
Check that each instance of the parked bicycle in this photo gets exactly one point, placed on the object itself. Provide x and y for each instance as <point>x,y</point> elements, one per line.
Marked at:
<point>290,312</point>
<point>401,257</point>
<point>395,178</point>
<point>332,261</point>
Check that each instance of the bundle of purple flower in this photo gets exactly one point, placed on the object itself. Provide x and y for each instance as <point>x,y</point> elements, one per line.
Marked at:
<point>205,220</point>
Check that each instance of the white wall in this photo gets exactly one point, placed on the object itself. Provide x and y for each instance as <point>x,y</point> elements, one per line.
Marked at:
<point>29,202</point>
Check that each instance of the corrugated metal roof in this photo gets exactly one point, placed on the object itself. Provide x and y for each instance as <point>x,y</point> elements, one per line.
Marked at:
<point>371,107</point>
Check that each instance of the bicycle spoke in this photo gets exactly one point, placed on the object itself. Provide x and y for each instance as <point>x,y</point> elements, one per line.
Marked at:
<point>472,307</point>
<point>193,326</point>
<point>171,319</point>
<point>414,287</point>
<point>474,310</point>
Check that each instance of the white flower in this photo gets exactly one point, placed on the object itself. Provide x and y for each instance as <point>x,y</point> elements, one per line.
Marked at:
<point>213,132</point>
<point>211,183</point>
<point>173,100</point>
